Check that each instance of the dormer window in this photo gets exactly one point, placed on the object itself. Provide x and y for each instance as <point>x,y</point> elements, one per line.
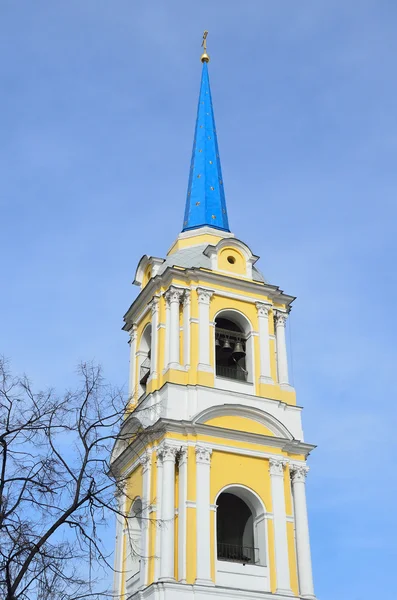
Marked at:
<point>230,345</point>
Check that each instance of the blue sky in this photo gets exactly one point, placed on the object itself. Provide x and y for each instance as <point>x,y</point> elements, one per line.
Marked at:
<point>97,114</point>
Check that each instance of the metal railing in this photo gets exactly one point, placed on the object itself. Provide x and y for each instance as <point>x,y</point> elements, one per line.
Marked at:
<point>237,553</point>
<point>233,372</point>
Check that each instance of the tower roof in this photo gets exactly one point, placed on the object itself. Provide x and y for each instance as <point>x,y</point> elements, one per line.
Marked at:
<point>205,202</point>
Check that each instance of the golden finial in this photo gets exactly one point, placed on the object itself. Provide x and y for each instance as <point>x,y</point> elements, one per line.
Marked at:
<point>204,56</point>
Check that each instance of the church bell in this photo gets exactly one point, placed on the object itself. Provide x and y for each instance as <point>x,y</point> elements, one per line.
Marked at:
<point>238,351</point>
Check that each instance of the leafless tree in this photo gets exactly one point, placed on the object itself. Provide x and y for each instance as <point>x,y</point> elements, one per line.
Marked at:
<point>56,488</point>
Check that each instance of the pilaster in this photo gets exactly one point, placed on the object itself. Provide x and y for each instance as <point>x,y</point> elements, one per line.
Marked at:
<point>167,571</point>
<point>173,297</point>
<point>132,378</point>
<point>282,361</point>
<point>204,298</point>
<point>276,469</point>
<point>182,516</point>
<point>264,343</point>
<point>203,515</point>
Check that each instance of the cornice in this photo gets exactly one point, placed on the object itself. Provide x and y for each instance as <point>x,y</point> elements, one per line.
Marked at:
<point>163,426</point>
<point>194,276</point>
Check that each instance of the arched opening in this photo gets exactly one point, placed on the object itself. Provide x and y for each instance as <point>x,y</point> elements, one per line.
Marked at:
<point>133,546</point>
<point>232,350</point>
<point>144,361</point>
<point>235,530</point>
<point>241,526</point>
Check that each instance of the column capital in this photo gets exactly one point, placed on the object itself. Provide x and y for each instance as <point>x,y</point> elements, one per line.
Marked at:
<point>203,454</point>
<point>280,318</point>
<point>182,455</point>
<point>186,298</point>
<point>145,460</point>
<point>174,294</point>
<point>132,332</point>
<point>299,473</point>
<point>154,304</point>
<point>204,295</point>
<point>276,466</point>
<point>263,309</point>
<point>120,490</point>
<point>167,451</point>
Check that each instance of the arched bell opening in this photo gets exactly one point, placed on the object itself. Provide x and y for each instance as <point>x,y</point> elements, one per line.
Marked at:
<point>231,348</point>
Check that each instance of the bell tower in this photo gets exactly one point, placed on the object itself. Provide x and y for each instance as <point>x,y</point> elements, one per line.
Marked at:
<point>212,502</point>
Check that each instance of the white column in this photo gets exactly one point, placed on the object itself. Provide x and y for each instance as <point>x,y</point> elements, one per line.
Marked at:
<point>167,334</point>
<point>173,297</point>
<point>132,378</point>
<point>203,514</point>
<point>204,298</point>
<point>304,560</point>
<point>145,460</point>
<point>159,529</point>
<point>186,329</point>
<point>154,305</point>
<point>276,468</point>
<point>118,555</point>
<point>182,461</point>
<point>282,363</point>
<point>167,570</point>
<point>264,342</point>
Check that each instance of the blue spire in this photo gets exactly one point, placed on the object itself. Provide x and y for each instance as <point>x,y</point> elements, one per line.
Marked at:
<point>205,202</point>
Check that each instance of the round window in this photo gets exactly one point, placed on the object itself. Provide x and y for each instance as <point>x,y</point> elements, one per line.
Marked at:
<point>231,260</point>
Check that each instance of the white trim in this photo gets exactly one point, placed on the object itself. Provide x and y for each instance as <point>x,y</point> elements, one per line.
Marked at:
<point>180,591</point>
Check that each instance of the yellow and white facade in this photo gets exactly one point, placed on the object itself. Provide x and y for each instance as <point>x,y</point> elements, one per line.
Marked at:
<point>212,454</point>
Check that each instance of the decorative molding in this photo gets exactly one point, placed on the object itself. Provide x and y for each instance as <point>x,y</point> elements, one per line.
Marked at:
<point>204,295</point>
<point>203,454</point>
<point>298,473</point>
